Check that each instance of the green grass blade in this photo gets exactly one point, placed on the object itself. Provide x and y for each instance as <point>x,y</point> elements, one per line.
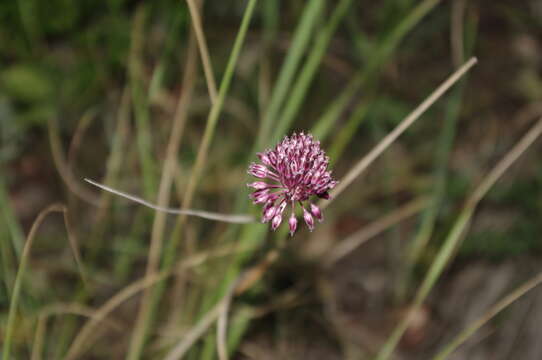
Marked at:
<point>13,226</point>
<point>141,106</point>
<point>14,302</point>
<point>300,41</point>
<point>365,76</point>
<point>344,135</point>
<point>308,71</point>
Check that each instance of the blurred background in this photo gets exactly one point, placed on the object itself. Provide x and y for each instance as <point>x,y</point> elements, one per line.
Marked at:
<point>95,89</point>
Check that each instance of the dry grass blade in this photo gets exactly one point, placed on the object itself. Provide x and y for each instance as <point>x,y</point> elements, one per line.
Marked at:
<point>20,274</point>
<point>497,308</point>
<point>505,163</point>
<point>77,347</point>
<point>236,219</point>
<point>74,246</point>
<point>204,51</point>
<point>79,134</point>
<point>392,136</point>
<point>368,232</point>
<point>195,333</point>
<point>37,346</point>
<point>222,327</point>
<point>453,239</point>
<point>63,168</point>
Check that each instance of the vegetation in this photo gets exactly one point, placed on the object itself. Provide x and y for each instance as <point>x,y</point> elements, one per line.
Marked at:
<point>429,111</point>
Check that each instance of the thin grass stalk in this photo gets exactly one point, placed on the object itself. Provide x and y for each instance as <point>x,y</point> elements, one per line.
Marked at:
<point>171,45</point>
<point>491,313</point>
<point>164,193</point>
<point>270,22</point>
<point>39,337</point>
<point>125,261</point>
<point>74,246</point>
<point>113,166</point>
<point>10,229</point>
<point>7,260</point>
<point>12,225</point>
<point>202,46</point>
<point>62,167</point>
<point>358,238</point>
<point>204,324</point>
<point>80,131</point>
<point>344,135</point>
<point>453,239</point>
<point>14,303</point>
<point>141,103</point>
<point>362,165</point>
<point>115,158</point>
<point>308,71</point>
<point>195,333</point>
<point>222,328</point>
<point>152,297</point>
<point>310,14</point>
<point>209,215</point>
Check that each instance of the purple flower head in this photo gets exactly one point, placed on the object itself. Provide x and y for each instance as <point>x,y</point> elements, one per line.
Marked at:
<point>297,170</point>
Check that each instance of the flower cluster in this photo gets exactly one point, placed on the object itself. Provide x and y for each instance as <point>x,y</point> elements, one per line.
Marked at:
<point>297,169</point>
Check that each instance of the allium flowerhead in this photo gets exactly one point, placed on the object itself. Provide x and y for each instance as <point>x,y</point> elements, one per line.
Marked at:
<point>296,170</point>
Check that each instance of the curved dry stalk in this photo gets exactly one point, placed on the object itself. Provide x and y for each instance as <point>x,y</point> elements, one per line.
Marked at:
<point>77,138</point>
<point>74,246</point>
<point>64,170</point>
<point>236,219</point>
<point>77,347</point>
<point>204,51</point>
<point>494,310</point>
<point>373,229</point>
<point>20,274</point>
<point>368,159</point>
